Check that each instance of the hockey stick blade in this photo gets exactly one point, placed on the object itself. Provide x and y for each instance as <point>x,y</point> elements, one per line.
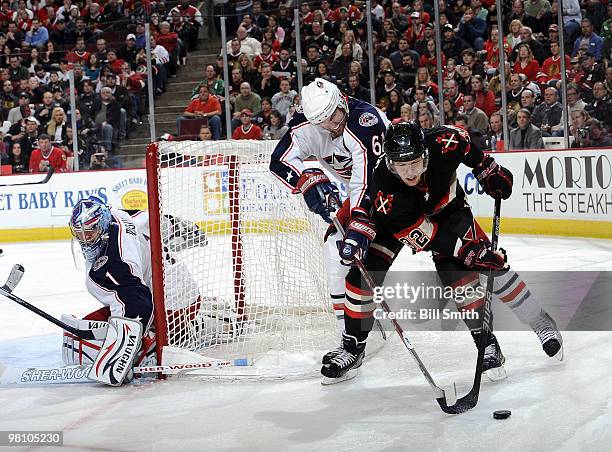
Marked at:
<point>43,181</point>
<point>14,277</point>
<point>78,374</point>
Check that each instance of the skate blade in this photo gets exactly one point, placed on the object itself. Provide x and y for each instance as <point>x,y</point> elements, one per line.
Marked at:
<point>326,381</point>
<point>559,354</point>
<point>496,374</point>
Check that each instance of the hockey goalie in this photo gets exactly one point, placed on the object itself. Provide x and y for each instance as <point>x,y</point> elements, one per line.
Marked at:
<point>116,247</point>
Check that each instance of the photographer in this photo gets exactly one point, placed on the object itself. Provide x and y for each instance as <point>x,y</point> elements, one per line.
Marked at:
<point>100,160</point>
<point>592,135</point>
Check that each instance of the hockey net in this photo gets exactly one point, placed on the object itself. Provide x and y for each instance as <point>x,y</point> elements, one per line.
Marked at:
<point>237,260</point>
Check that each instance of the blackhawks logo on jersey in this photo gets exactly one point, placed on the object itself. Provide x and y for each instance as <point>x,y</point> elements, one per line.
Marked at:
<point>383,203</point>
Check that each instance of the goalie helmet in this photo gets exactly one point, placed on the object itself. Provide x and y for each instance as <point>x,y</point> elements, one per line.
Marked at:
<point>320,100</point>
<point>404,142</point>
<point>90,224</point>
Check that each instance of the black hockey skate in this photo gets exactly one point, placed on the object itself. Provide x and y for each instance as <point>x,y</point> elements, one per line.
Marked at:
<point>327,358</point>
<point>550,337</point>
<point>346,363</point>
<point>494,359</point>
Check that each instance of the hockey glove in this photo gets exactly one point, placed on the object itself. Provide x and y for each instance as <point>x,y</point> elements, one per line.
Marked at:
<point>480,257</point>
<point>495,179</point>
<point>360,232</point>
<point>316,187</point>
<point>343,215</point>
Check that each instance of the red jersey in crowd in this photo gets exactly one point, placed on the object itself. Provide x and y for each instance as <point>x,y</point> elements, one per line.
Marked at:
<point>250,132</point>
<point>270,58</point>
<point>78,56</point>
<point>552,66</point>
<point>56,159</point>
<point>168,41</point>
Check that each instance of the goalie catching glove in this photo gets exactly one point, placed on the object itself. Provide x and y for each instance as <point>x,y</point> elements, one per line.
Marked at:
<point>360,231</point>
<point>316,187</point>
<point>494,178</point>
<point>480,257</point>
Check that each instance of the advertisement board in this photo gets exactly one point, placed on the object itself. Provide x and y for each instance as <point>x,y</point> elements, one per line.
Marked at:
<point>557,192</point>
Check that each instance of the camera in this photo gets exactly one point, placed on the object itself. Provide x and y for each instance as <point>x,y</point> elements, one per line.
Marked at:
<point>583,133</point>
<point>100,157</point>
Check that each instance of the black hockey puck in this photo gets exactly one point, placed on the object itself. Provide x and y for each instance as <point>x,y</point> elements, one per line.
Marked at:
<point>501,414</point>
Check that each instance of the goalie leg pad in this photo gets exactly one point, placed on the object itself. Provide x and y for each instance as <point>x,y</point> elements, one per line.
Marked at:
<point>122,343</point>
<point>77,351</point>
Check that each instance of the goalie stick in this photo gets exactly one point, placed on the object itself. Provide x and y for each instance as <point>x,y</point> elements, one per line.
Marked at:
<point>43,181</point>
<point>444,397</point>
<point>14,277</point>
<point>7,290</point>
<point>469,401</point>
<point>78,374</point>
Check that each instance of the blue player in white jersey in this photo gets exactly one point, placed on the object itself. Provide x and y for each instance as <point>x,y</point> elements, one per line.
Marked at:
<point>345,135</point>
<point>117,252</point>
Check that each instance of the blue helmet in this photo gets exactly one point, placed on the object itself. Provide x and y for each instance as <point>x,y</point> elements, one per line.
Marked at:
<point>90,225</point>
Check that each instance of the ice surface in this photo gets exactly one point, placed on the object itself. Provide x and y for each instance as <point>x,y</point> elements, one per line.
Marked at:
<point>555,406</point>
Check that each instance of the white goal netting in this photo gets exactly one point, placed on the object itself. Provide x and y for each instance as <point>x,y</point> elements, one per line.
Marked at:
<point>241,259</point>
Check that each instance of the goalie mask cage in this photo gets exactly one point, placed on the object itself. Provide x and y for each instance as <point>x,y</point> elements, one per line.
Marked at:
<point>251,282</point>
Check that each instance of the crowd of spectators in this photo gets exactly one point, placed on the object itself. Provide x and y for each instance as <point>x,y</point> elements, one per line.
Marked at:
<point>41,41</point>
<point>333,33</point>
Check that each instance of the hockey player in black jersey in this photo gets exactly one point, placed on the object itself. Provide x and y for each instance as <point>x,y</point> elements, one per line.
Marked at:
<point>418,202</point>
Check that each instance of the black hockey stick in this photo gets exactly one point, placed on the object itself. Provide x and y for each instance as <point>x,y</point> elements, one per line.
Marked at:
<point>44,181</point>
<point>444,397</point>
<point>7,291</point>
<point>469,401</point>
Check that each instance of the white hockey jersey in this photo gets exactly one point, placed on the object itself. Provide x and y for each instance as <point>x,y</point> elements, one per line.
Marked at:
<point>351,157</point>
<point>121,277</point>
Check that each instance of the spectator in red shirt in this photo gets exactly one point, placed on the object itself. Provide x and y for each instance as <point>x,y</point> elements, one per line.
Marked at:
<point>485,99</point>
<point>526,63</point>
<point>46,156</point>
<point>204,106</point>
<point>166,38</point>
<point>552,65</point>
<point>416,29</point>
<point>353,11</point>
<point>328,13</point>
<point>113,62</point>
<point>79,54</point>
<point>247,131</point>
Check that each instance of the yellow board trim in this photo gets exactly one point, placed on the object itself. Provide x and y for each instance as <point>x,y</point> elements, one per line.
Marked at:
<point>533,226</point>
<point>539,226</point>
<point>35,234</point>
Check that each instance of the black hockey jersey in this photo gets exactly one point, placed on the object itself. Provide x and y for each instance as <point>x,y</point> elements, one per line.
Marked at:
<point>411,214</point>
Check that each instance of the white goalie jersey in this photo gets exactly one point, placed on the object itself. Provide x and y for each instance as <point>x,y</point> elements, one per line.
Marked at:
<point>121,279</point>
